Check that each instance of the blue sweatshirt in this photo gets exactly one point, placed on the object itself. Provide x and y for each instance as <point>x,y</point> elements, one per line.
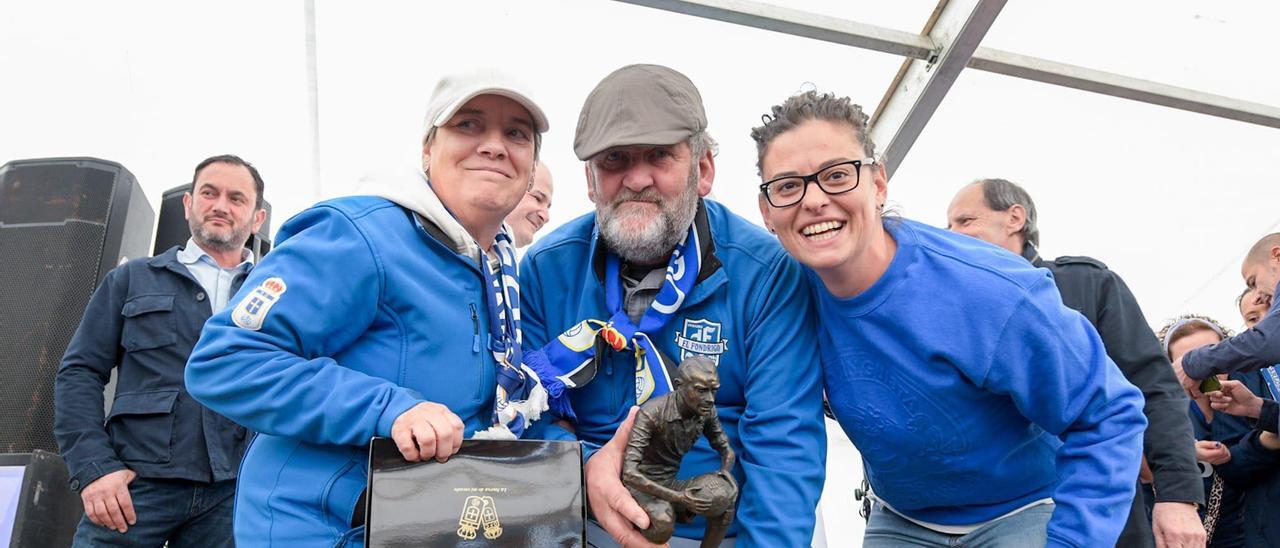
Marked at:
<point>971,391</point>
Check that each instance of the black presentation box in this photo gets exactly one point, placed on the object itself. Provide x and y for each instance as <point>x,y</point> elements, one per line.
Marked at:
<point>492,493</point>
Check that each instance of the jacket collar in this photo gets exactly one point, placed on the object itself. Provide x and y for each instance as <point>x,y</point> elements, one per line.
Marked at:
<point>1031,254</point>
<point>169,261</point>
<point>413,191</point>
<point>192,252</point>
<point>709,262</point>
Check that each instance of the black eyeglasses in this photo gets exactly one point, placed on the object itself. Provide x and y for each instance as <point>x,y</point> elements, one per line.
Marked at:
<point>833,179</point>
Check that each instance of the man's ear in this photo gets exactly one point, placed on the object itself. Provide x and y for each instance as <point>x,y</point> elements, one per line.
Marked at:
<point>706,173</point>
<point>1017,219</point>
<point>591,182</point>
<point>258,217</point>
<point>186,205</point>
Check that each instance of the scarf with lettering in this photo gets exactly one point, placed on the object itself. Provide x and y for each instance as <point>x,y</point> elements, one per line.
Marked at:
<point>520,397</point>
<point>571,361</point>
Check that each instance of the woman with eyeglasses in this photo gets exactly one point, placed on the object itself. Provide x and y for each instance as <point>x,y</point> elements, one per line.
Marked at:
<point>986,412</point>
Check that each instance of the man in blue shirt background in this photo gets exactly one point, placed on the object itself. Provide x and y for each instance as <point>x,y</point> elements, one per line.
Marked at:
<point>163,467</point>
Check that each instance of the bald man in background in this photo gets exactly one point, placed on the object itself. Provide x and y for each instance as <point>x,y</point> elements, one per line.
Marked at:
<point>534,210</point>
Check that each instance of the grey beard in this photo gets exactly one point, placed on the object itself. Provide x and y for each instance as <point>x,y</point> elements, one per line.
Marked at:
<point>655,244</point>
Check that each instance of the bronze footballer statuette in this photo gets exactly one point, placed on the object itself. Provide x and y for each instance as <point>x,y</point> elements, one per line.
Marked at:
<point>665,429</point>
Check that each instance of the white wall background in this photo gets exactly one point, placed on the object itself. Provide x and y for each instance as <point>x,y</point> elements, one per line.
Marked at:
<point>1169,199</point>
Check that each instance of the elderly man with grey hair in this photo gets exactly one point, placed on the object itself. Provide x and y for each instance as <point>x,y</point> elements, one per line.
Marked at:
<point>658,274</point>
<point>1002,213</point>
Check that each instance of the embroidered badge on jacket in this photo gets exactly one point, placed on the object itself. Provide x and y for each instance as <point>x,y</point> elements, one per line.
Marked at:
<point>253,309</point>
<point>703,338</point>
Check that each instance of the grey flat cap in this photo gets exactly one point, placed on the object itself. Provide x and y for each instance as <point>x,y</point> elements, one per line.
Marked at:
<point>639,105</point>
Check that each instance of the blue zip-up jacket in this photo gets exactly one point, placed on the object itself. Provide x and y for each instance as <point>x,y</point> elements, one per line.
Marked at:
<point>971,391</point>
<point>144,319</point>
<point>364,311</point>
<point>751,297</point>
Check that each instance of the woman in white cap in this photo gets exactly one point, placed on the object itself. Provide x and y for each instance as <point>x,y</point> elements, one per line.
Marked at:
<point>394,314</point>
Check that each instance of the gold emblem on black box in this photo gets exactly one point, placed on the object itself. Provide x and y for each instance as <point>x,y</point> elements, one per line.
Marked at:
<point>479,511</point>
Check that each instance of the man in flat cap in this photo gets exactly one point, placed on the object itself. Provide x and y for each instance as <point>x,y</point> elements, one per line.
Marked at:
<point>659,274</point>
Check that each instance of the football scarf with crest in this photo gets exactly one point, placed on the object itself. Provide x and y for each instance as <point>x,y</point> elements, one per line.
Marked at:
<point>519,397</point>
<point>572,356</point>
<point>1272,374</point>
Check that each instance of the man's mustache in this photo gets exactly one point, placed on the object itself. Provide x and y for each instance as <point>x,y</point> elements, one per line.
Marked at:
<point>650,196</point>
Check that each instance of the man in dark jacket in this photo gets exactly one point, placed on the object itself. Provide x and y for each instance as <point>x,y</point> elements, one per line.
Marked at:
<point>1002,213</point>
<point>163,467</point>
<point>1253,348</point>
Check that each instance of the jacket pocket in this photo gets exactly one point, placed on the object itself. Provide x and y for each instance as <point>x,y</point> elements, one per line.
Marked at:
<point>341,493</point>
<point>141,425</point>
<point>351,539</point>
<point>148,322</point>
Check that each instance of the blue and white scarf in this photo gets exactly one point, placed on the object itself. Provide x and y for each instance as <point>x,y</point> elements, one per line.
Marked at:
<point>571,358</point>
<point>520,398</point>
<point>1272,376</point>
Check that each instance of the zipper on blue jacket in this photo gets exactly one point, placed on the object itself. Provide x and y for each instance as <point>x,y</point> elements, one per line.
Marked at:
<point>475,322</point>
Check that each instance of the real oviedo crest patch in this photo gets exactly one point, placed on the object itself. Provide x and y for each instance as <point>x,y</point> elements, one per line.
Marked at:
<point>702,338</point>
<point>253,309</point>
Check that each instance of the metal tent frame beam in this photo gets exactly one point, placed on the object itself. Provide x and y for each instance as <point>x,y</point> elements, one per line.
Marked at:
<point>928,49</point>
<point>957,27</point>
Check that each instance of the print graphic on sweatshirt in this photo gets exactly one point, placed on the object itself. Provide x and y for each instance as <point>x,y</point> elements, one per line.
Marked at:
<point>896,427</point>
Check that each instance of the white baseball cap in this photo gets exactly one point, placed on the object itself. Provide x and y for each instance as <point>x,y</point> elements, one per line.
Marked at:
<point>455,90</point>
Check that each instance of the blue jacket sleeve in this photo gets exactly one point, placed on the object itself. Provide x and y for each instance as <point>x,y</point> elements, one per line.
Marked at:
<point>782,432</point>
<point>86,367</point>
<point>1251,463</point>
<point>1053,364</point>
<point>281,379</point>
<point>1250,350</point>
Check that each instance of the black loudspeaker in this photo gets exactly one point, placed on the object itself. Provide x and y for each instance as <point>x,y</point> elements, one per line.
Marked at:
<point>173,228</point>
<point>37,509</point>
<point>64,223</point>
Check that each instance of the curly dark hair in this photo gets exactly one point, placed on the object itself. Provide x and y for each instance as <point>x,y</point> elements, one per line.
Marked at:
<point>811,105</point>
